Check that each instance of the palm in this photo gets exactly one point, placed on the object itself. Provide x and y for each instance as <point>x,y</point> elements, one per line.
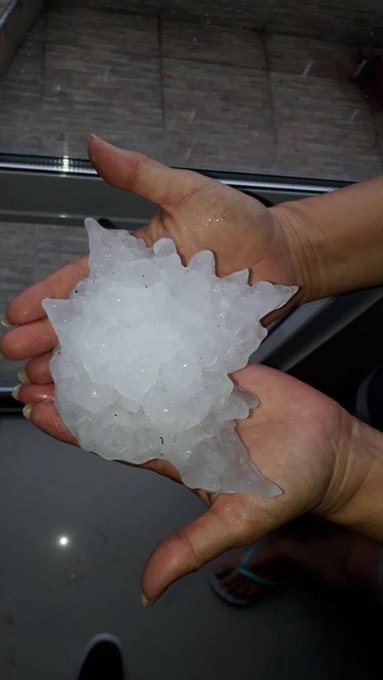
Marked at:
<point>293,437</point>
<point>286,438</point>
<point>240,231</point>
<point>200,213</point>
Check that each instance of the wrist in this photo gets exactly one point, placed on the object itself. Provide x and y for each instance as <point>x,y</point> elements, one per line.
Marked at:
<point>276,264</point>
<point>355,493</point>
<point>301,239</point>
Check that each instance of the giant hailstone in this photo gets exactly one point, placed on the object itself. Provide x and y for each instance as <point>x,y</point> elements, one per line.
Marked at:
<point>146,346</point>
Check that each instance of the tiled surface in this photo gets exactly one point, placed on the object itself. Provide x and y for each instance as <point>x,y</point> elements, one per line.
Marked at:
<point>210,131</point>
<point>96,80</point>
<point>177,82</point>
<point>338,134</point>
<point>141,7</point>
<point>81,91</point>
<point>242,14</point>
<point>309,56</point>
<point>346,21</point>
<point>212,44</point>
<point>85,28</point>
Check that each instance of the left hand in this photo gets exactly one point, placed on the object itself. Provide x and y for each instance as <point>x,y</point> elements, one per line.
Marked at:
<point>299,438</point>
<point>200,213</point>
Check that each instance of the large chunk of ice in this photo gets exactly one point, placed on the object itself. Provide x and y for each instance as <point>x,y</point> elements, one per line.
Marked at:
<point>146,346</point>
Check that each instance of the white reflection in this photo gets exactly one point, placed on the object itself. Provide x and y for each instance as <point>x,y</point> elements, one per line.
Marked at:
<point>65,162</point>
<point>63,541</point>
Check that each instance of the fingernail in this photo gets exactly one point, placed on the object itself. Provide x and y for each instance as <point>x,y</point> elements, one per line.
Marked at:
<point>4,321</point>
<point>145,602</point>
<point>22,376</point>
<point>92,136</point>
<point>15,391</point>
<point>27,410</point>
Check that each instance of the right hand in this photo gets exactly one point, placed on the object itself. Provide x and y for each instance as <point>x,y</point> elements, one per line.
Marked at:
<point>300,439</point>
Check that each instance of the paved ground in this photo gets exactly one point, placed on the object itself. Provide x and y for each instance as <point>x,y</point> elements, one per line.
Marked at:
<point>263,91</point>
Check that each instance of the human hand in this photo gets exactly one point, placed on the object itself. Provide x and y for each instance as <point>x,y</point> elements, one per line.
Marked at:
<point>299,438</point>
<point>200,213</point>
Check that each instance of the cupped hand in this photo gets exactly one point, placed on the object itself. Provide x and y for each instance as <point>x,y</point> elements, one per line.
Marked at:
<point>299,438</point>
<point>199,212</point>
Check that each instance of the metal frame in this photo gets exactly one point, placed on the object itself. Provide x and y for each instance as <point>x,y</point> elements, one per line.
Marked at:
<point>82,167</point>
<point>46,197</point>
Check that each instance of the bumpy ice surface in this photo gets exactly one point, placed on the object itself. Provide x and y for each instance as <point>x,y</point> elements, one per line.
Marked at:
<point>146,346</point>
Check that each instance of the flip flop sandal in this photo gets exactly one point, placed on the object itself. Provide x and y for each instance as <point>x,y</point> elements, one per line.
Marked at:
<point>222,592</point>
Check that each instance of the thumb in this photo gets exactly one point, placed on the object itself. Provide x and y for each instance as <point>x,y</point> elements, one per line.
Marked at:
<point>192,546</point>
<point>133,171</point>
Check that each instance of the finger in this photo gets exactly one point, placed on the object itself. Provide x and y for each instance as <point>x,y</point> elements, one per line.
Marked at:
<point>288,307</point>
<point>142,232</point>
<point>188,549</point>
<point>257,377</point>
<point>162,467</point>
<point>152,231</point>
<point>46,418</point>
<point>33,394</point>
<point>37,369</point>
<point>26,306</point>
<point>133,171</point>
<point>23,342</point>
